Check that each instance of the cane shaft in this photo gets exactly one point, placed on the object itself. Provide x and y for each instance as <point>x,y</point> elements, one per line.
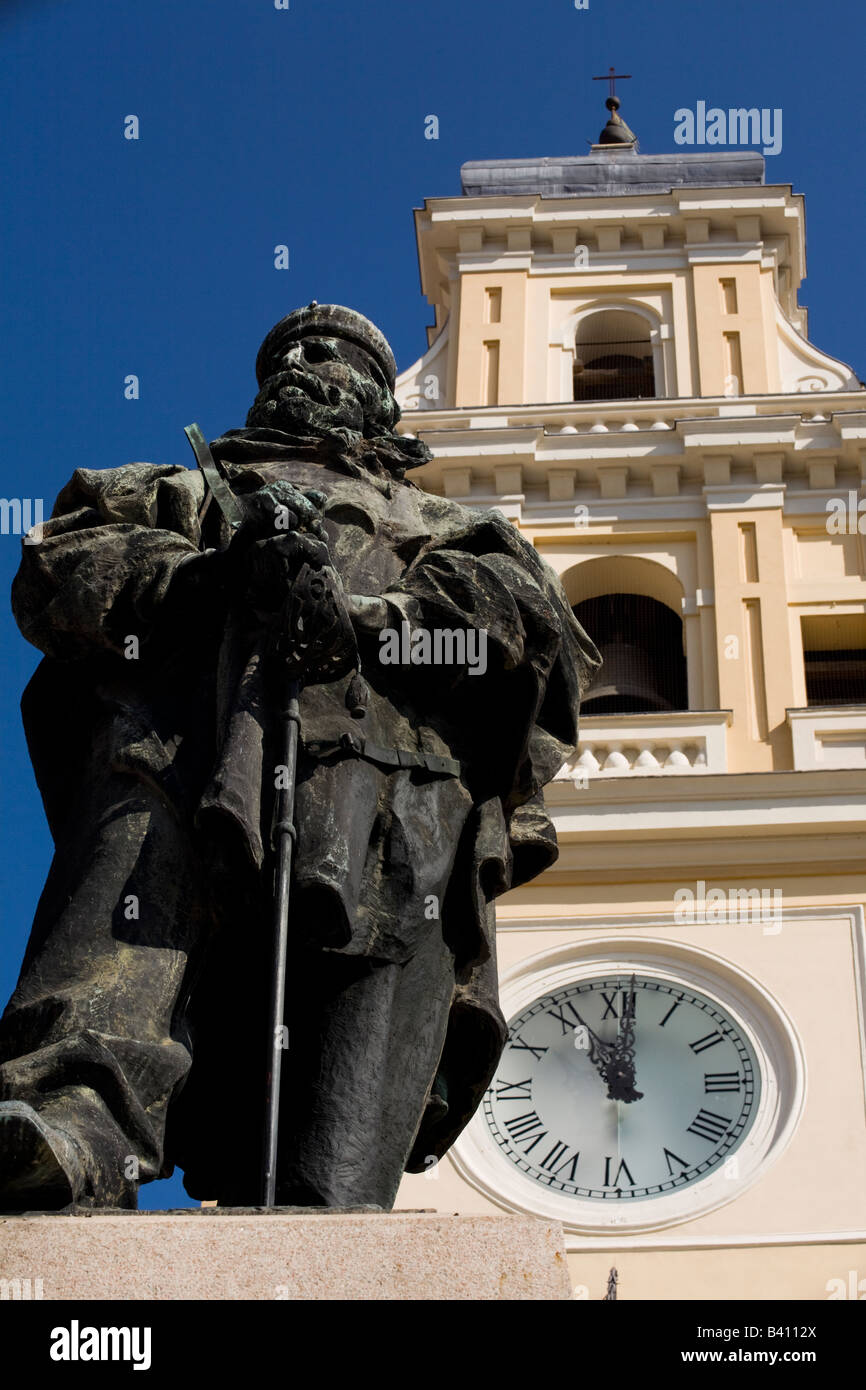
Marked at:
<point>284,834</point>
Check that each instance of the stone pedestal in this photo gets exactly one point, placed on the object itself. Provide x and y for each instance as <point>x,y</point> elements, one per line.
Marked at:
<point>283,1254</point>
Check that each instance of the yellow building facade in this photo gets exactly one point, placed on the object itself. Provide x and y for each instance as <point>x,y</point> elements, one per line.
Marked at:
<point>620,365</point>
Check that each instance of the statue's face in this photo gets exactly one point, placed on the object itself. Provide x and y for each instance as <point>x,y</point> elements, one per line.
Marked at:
<point>325,383</point>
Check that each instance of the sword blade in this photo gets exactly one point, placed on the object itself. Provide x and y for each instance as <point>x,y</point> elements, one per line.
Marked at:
<point>223,495</point>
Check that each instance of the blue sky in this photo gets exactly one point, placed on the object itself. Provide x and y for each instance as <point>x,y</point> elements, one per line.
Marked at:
<point>305,127</point>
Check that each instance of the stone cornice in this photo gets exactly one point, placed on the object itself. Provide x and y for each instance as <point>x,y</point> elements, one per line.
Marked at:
<point>833,411</point>
<point>753,827</point>
<point>690,454</point>
<point>474,230</point>
<point>755,791</point>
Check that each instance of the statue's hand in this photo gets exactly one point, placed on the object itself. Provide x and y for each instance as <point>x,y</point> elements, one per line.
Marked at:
<point>316,638</point>
<point>280,508</point>
<point>273,564</point>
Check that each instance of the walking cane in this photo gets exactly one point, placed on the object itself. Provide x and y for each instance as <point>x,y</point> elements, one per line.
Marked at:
<point>284,839</point>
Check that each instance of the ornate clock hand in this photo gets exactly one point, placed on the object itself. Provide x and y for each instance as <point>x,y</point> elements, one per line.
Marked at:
<point>613,1066</point>
<point>600,1053</point>
<point>621,1071</point>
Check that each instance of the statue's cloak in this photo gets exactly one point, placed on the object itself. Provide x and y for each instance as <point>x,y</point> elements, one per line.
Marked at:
<point>189,707</point>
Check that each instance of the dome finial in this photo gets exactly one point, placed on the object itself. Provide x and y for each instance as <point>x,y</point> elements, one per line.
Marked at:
<point>616,132</point>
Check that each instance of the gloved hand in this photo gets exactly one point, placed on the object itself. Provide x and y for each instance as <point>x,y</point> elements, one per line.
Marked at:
<point>279,508</point>
<point>315,636</point>
<point>282,531</point>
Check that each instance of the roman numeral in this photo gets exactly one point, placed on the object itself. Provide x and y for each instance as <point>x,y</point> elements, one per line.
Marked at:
<point>522,1127</point>
<point>520,1046</point>
<point>565,1024</point>
<point>721,1081</point>
<point>709,1041</point>
<point>669,1012</point>
<point>626,1003</point>
<point>708,1125</point>
<point>513,1090</point>
<point>615,1182</point>
<point>553,1158</point>
<point>610,1001</point>
<point>676,1158</point>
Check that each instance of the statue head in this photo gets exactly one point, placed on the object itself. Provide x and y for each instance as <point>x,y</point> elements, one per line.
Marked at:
<point>325,368</point>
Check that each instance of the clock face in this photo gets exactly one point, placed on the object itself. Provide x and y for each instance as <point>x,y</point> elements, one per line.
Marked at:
<point>684,1083</point>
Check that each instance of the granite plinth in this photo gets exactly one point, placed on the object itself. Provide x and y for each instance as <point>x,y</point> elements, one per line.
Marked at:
<point>284,1254</point>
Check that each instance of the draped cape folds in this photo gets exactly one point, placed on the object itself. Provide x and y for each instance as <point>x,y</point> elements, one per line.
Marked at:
<point>189,705</point>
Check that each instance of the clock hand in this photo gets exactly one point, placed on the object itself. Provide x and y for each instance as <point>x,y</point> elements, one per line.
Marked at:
<point>600,1053</point>
<point>605,1057</point>
<point>621,1072</point>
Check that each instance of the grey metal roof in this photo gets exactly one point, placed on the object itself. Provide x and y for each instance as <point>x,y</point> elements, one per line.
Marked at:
<point>613,171</point>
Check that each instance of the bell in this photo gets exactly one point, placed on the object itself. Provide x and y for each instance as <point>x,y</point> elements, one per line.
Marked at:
<point>640,642</point>
<point>612,377</point>
<point>626,682</point>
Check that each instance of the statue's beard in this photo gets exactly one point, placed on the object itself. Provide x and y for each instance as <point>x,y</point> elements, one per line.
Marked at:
<point>306,403</point>
<point>338,401</point>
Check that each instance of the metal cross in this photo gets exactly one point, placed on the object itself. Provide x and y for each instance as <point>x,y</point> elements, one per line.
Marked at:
<point>612,78</point>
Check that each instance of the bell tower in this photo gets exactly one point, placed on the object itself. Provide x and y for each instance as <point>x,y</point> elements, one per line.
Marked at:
<point>618,363</point>
<point>618,342</point>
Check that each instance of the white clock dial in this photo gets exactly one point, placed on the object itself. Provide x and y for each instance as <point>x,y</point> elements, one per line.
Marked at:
<point>550,1112</point>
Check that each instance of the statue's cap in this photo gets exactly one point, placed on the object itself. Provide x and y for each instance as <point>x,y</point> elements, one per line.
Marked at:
<point>324,321</point>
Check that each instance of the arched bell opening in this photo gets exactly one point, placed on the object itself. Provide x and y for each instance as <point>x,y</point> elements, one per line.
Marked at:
<point>643,667</point>
<point>613,358</point>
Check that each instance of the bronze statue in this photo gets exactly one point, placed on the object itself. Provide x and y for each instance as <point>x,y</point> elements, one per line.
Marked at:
<point>137,1036</point>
